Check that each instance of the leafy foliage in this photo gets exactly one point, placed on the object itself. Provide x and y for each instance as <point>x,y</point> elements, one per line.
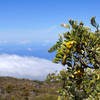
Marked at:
<point>79,50</point>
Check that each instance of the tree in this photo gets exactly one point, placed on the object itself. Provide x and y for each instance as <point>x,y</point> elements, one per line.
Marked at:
<point>79,51</point>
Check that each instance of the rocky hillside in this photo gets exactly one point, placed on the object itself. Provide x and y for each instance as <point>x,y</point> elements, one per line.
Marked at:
<point>24,89</point>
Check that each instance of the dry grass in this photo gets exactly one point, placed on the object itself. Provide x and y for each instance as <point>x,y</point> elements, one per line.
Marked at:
<point>24,89</point>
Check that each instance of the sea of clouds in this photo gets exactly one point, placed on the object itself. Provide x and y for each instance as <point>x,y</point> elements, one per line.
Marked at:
<point>26,67</point>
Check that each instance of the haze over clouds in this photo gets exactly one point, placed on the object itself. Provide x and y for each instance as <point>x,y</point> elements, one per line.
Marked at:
<point>26,67</point>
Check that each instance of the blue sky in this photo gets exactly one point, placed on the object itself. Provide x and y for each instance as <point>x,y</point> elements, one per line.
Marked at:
<point>39,20</point>
<point>28,28</point>
<point>35,24</point>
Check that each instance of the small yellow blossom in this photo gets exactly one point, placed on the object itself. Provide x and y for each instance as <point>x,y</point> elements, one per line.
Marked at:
<point>67,51</point>
<point>85,43</point>
<point>75,73</point>
<point>64,57</point>
<point>64,60</point>
<point>70,43</point>
<point>99,93</point>
<point>82,51</point>
<point>78,71</point>
<point>98,77</point>
<point>72,76</point>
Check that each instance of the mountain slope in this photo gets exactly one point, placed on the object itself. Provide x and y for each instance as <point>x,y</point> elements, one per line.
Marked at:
<point>24,89</point>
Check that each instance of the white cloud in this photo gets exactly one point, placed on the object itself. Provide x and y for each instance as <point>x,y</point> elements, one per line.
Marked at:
<point>46,42</point>
<point>24,42</point>
<point>29,49</point>
<point>3,41</point>
<point>26,67</point>
<point>44,30</point>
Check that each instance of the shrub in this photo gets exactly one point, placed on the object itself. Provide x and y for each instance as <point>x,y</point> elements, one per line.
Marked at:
<point>79,51</point>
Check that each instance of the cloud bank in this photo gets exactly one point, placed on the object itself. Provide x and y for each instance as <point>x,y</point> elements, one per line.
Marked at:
<point>26,67</point>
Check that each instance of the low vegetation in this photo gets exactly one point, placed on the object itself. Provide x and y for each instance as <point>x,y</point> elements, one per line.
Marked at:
<point>24,89</point>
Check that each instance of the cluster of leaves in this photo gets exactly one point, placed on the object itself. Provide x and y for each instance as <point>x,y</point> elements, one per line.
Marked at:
<point>79,50</point>
<point>76,88</point>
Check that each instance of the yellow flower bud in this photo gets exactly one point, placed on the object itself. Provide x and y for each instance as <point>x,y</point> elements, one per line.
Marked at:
<point>70,43</point>
<point>67,51</point>
<point>72,76</point>
<point>78,71</point>
<point>98,77</point>
<point>64,60</point>
<point>82,51</point>
<point>85,43</point>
